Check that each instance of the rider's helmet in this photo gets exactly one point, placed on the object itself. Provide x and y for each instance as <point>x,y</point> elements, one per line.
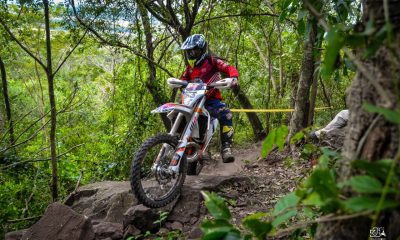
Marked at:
<point>195,49</point>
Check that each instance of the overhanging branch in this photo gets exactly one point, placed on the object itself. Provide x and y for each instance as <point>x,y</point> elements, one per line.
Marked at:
<point>114,44</point>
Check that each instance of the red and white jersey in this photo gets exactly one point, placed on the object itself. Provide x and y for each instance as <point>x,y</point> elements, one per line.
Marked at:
<point>209,70</point>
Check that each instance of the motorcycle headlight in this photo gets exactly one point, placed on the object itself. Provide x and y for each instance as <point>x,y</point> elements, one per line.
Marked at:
<point>188,97</point>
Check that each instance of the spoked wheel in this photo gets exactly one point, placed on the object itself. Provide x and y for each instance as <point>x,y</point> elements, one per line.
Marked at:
<point>153,183</point>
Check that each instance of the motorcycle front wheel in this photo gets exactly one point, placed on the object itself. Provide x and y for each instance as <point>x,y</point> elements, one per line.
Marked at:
<point>152,183</point>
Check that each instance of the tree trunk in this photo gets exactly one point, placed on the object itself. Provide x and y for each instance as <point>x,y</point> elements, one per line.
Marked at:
<point>244,101</point>
<point>52,99</point>
<point>326,98</point>
<point>370,136</point>
<point>7,101</point>
<point>281,80</point>
<point>271,80</point>
<point>253,118</point>
<point>314,88</point>
<point>300,114</point>
<point>294,80</point>
<point>155,91</point>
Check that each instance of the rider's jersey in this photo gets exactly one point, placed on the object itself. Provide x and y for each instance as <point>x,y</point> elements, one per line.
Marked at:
<point>209,71</point>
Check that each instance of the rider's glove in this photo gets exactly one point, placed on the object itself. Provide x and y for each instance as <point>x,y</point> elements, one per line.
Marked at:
<point>234,82</point>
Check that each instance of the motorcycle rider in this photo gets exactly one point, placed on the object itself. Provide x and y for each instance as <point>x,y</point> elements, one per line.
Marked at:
<point>204,66</point>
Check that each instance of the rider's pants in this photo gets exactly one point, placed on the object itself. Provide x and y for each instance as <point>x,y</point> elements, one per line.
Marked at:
<point>219,110</point>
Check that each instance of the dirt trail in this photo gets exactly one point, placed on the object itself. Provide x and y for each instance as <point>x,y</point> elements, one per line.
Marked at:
<point>270,179</point>
<point>242,157</point>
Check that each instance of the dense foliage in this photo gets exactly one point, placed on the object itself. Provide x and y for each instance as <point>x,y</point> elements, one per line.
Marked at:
<point>103,89</point>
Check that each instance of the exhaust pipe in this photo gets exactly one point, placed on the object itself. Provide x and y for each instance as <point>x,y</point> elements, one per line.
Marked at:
<point>193,156</point>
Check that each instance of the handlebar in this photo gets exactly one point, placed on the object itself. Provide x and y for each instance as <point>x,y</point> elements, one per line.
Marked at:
<point>176,83</point>
<point>225,83</point>
<point>220,84</point>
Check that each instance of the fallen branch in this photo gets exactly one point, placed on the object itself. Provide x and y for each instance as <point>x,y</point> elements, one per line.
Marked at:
<point>23,219</point>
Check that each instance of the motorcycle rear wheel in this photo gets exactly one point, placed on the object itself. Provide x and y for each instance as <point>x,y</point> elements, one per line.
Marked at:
<point>156,188</point>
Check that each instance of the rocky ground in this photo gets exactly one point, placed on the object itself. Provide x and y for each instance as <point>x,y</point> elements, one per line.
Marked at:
<point>108,210</point>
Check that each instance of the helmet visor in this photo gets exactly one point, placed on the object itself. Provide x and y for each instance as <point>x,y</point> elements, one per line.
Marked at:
<point>194,53</point>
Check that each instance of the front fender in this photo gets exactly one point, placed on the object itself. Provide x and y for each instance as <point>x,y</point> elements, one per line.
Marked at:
<point>168,107</point>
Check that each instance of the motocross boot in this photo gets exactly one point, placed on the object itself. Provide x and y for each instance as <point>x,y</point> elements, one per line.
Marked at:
<point>226,152</point>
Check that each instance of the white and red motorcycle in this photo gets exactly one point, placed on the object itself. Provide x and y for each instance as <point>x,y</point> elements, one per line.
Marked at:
<point>161,163</point>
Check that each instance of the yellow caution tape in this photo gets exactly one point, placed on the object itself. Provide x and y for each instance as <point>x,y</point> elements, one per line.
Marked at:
<point>273,110</point>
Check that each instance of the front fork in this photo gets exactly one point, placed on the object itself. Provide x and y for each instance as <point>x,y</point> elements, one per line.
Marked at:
<point>174,165</point>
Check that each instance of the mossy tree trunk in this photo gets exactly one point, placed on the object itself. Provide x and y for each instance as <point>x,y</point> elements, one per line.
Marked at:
<point>370,136</point>
<point>299,117</point>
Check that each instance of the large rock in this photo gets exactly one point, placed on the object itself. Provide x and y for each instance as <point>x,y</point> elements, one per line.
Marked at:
<point>142,218</point>
<point>108,230</point>
<point>333,139</point>
<point>147,219</point>
<point>110,211</point>
<point>103,201</point>
<point>16,235</point>
<point>62,223</point>
<point>188,207</point>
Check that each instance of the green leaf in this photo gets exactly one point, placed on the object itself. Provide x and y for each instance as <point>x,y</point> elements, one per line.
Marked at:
<point>284,217</point>
<point>355,40</point>
<point>298,136</point>
<point>379,169</point>
<point>390,115</point>
<point>258,227</point>
<point>268,143</point>
<point>323,183</point>
<point>330,153</point>
<point>280,136</point>
<point>286,4</point>
<point>275,136</point>
<point>369,28</point>
<point>308,212</point>
<point>377,41</point>
<point>301,14</point>
<point>216,228</point>
<point>287,9</point>
<point>323,162</point>
<point>301,27</point>
<point>365,184</point>
<point>313,200</point>
<point>331,205</point>
<point>328,158</point>
<point>232,236</point>
<point>215,235</point>
<point>335,42</point>
<point>216,206</point>
<point>288,201</point>
<point>361,203</point>
<point>258,215</point>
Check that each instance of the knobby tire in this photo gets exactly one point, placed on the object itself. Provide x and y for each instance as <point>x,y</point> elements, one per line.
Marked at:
<point>136,183</point>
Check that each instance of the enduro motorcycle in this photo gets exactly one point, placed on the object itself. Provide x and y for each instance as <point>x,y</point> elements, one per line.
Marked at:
<point>161,163</point>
